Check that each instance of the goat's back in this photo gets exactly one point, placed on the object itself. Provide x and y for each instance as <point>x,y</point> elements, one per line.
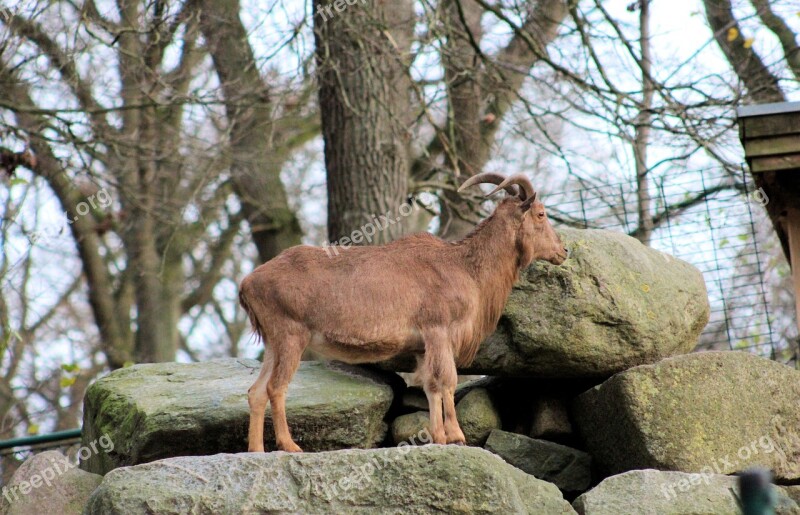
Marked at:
<point>382,294</point>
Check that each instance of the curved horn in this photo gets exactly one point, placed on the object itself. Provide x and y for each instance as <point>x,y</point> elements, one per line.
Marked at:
<point>526,188</point>
<point>491,178</point>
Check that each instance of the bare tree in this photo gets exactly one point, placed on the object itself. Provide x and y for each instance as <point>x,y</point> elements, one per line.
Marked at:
<point>364,96</point>
<point>160,148</point>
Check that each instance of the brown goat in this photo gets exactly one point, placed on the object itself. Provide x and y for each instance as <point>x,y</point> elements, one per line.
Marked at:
<point>418,295</point>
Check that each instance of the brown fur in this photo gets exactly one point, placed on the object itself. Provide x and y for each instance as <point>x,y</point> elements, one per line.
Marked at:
<point>417,295</point>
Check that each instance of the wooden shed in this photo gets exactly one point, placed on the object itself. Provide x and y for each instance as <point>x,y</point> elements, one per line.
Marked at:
<point>770,135</point>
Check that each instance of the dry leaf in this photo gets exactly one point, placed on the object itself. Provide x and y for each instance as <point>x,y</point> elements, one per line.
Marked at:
<point>748,42</point>
<point>733,33</point>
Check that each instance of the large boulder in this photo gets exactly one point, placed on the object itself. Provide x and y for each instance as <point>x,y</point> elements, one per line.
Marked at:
<point>647,492</point>
<point>169,409</point>
<point>614,304</point>
<point>430,479</point>
<point>48,483</point>
<point>569,469</point>
<point>705,412</point>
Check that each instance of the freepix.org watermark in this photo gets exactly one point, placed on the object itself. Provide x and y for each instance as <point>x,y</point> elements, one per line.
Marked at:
<point>46,476</point>
<point>327,12</point>
<point>376,224</point>
<point>100,200</point>
<point>721,465</point>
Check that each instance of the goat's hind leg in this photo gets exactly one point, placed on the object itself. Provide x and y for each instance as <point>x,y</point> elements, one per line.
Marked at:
<point>257,400</point>
<point>286,356</point>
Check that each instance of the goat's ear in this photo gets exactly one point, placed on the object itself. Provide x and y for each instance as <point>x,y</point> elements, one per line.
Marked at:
<point>526,205</point>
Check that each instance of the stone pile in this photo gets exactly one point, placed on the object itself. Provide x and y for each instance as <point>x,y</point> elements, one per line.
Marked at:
<point>592,404</point>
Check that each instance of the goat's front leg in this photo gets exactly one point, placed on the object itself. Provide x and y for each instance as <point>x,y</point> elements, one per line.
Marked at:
<point>451,427</point>
<point>439,378</point>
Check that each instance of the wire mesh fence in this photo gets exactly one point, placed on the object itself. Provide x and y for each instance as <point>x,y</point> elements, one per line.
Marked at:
<point>716,225</point>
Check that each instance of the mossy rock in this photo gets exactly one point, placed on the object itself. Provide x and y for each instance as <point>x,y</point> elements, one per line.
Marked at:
<point>412,428</point>
<point>614,304</point>
<point>567,468</point>
<point>707,412</point>
<point>408,480</point>
<point>477,416</point>
<point>162,410</point>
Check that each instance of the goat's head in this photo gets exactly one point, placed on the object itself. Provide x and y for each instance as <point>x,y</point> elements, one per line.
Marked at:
<point>536,238</point>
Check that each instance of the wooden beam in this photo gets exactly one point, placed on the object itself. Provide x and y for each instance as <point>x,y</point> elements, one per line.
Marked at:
<point>793,229</point>
<point>774,125</point>
<point>770,146</point>
<point>774,163</point>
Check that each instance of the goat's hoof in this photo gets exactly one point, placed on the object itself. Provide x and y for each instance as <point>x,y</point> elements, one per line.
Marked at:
<point>292,447</point>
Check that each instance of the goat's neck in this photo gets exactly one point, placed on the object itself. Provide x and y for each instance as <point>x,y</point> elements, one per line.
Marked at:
<point>492,257</point>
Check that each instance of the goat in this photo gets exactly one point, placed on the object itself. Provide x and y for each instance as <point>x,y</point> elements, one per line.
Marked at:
<point>419,294</point>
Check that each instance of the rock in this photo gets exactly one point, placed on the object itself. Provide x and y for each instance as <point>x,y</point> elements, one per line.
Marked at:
<point>414,399</point>
<point>515,398</point>
<point>793,492</point>
<point>171,409</point>
<point>569,469</point>
<point>550,418</point>
<point>477,416</point>
<point>706,412</point>
<point>48,483</point>
<point>614,304</point>
<point>413,428</point>
<point>646,492</point>
<point>429,479</point>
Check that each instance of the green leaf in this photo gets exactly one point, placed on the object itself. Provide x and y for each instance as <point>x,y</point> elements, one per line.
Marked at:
<point>17,180</point>
<point>33,429</point>
<point>70,367</point>
<point>66,382</point>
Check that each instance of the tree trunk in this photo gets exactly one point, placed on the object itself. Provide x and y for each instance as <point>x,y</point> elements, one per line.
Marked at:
<point>462,76</point>
<point>642,136</point>
<point>256,164</point>
<point>762,86</point>
<point>364,97</point>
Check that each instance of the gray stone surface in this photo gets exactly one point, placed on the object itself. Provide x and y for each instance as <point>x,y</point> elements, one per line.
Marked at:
<point>407,480</point>
<point>702,412</point>
<point>655,492</point>
<point>47,483</point>
<point>567,468</point>
<point>172,409</point>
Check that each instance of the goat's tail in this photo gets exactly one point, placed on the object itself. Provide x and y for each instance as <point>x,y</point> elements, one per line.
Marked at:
<point>258,329</point>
